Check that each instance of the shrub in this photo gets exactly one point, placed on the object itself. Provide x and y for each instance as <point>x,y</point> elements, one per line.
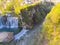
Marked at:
<point>39,11</point>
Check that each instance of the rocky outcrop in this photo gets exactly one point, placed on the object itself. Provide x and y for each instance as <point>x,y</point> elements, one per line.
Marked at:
<point>31,38</point>
<point>6,36</point>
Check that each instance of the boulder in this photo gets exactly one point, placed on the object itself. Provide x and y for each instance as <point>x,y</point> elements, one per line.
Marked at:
<point>6,36</point>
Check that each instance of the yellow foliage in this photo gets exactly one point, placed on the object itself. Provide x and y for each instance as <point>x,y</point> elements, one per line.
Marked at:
<point>51,26</point>
<point>12,5</point>
<point>17,10</point>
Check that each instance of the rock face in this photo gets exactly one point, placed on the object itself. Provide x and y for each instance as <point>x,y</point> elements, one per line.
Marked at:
<point>6,36</point>
<point>31,38</point>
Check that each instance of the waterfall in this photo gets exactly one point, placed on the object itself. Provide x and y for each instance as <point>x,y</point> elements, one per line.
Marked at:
<point>12,22</point>
<point>1,26</point>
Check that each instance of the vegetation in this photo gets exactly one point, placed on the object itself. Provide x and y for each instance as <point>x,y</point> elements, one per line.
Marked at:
<point>12,5</point>
<point>50,33</point>
<point>33,15</point>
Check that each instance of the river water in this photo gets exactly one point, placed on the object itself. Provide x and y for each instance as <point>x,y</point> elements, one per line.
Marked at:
<point>9,23</point>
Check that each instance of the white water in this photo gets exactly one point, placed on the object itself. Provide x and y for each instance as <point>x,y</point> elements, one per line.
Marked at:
<point>12,22</point>
<point>20,34</point>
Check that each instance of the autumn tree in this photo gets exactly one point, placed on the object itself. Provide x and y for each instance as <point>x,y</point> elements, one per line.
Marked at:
<point>51,27</point>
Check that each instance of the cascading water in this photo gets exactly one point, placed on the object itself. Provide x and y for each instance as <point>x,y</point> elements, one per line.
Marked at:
<point>8,23</point>
<point>13,22</point>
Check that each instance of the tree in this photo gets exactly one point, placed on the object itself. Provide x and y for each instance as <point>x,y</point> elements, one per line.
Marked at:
<point>51,27</point>
<point>12,5</point>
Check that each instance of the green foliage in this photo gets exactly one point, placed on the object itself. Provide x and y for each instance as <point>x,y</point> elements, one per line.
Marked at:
<point>40,12</point>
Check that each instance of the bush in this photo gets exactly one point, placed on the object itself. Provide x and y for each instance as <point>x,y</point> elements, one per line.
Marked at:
<point>39,11</point>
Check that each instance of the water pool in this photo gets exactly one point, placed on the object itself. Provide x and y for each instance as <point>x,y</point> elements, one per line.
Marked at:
<point>14,30</point>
